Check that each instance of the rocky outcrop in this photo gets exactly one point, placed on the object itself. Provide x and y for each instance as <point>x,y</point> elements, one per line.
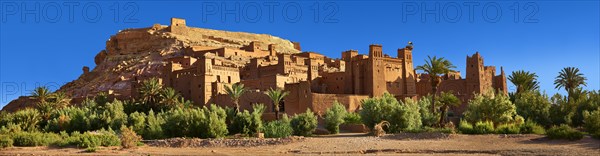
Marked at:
<point>134,54</point>
<point>20,103</point>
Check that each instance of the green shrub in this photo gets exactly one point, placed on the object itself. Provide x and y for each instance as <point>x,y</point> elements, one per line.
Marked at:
<point>465,127</point>
<point>560,111</point>
<point>404,116</point>
<point>10,128</point>
<point>137,121</point>
<point>28,139</point>
<point>279,128</point>
<point>27,119</point>
<point>184,122</point>
<point>68,140</point>
<point>112,115</point>
<point>128,138</point>
<point>534,105</point>
<point>407,116</point>
<point>216,126</point>
<point>5,141</point>
<point>428,118</point>
<point>248,123</point>
<point>154,126</point>
<point>564,132</point>
<point>496,108</point>
<point>508,129</point>
<point>530,127</point>
<point>87,140</point>
<point>108,138</point>
<point>34,138</point>
<point>591,123</point>
<point>483,127</point>
<point>72,119</point>
<point>304,124</point>
<point>206,122</point>
<point>334,117</point>
<point>352,118</point>
<point>585,101</point>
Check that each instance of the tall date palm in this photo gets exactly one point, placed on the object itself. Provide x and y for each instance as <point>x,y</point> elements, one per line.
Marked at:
<point>276,95</point>
<point>570,78</point>
<point>235,92</point>
<point>435,67</point>
<point>524,81</point>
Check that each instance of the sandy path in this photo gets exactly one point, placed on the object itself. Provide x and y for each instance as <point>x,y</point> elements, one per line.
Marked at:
<point>353,144</point>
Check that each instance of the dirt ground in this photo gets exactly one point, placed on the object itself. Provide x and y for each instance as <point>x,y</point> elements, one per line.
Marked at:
<point>354,143</point>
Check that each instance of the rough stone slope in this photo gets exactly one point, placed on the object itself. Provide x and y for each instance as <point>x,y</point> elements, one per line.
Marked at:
<point>140,53</point>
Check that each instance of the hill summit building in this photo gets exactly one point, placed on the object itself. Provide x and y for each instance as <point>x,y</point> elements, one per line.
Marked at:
<point>313,80</point>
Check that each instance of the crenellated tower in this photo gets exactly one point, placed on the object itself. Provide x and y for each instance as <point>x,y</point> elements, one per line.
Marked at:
<point>408,71</point>
<point>376,84</point>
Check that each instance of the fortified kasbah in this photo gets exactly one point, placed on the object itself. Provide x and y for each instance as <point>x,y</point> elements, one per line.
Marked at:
<point>199,64</point>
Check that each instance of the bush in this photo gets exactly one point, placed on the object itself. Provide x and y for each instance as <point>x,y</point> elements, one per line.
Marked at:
<point>215,125</point>
<point>248,123</point>
<point>530,127</point>
<point>564,132</point>
<point>591,123</point>
<point>206,122</point>
<point>483,127</point>
<point>508,129</point>
<point>496,108</point>
<point>87,140</point>
<point>535,106</point>
<point>67,140</point>
<point>34,138</point>
<point>304,124</point>
<point>352,118</point>
<point>407,116</point>
<point>137,122</point>
<point>334,117</point>
<point>112,115</point>
<point>404,116</point>
<point>587,101</point>
<point>27,119</point>
<point>128,138</point>
<point>279,128</point>
<point>465,127</point>
<point>108,138</point>
<point>153,128</point>
<point>71,119</point>
<point>5,141</point>
<point>428,118</point>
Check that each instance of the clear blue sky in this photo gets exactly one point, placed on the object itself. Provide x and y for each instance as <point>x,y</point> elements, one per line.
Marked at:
<point>544,37</point>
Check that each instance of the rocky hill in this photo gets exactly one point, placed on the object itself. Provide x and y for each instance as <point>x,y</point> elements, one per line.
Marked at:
<point>134,54</point>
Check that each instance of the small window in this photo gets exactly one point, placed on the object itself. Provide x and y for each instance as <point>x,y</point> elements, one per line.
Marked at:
<point>218,78</point>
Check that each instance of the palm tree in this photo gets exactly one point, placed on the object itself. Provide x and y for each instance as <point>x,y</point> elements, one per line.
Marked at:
<point>41,94</point>
<point>169,97</point>
<point>235,92</point>
<point>276,95</point>
<point>570,78</point>
<point>435,67</point>
<point>61,99</point>
<point>447,99</point>
<point>524,81</point>
<point>150,91</point>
